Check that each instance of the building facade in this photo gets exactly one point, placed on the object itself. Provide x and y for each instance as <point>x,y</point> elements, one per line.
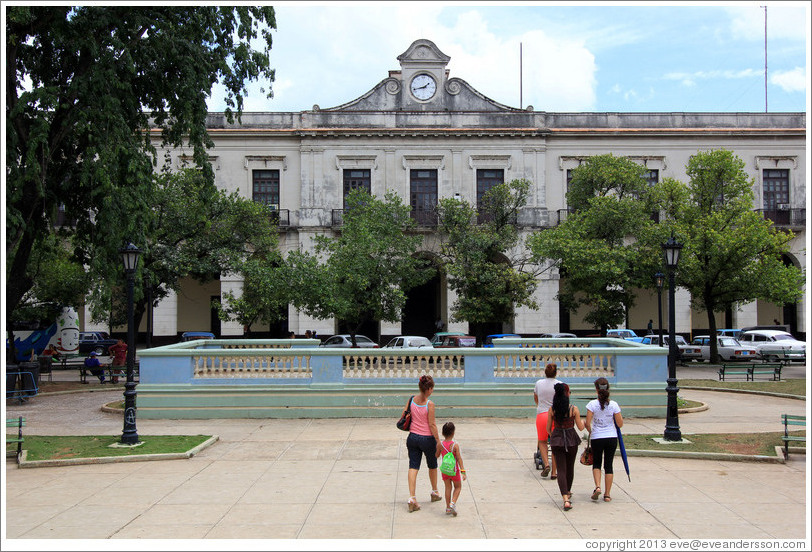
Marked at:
<point>427,135</point>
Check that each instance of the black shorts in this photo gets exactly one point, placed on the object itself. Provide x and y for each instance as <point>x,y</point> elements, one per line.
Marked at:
<point>418,445</point>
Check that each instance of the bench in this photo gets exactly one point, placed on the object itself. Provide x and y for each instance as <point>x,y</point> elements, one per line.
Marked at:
<point>783,356</point>
<point>109,372</point>
<point>11,439</point>
<point>733,370</point>
<point>750,371</point>
<point>788,420</point>
<point>773,370</point>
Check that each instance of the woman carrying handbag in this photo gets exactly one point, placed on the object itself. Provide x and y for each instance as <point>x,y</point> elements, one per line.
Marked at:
<point>602,415</point>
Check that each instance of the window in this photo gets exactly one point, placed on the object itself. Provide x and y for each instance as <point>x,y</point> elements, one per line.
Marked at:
<point>266,188</point>
<point>652,176</point>
<point>487,179</point>
<point>356,178</point>
<point>776,188</point>
<point>423,196</point>
<point>569,178</point>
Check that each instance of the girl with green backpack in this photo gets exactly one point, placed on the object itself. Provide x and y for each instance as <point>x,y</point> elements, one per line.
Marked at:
<point>451,467</point>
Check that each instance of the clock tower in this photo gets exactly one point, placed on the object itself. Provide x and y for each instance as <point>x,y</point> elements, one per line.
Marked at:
<point>423,75</point>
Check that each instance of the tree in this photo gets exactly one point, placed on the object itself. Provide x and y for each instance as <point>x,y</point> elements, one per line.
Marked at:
<point>192,229</point>
<point>484,261</point>
<point>731,254</point>
<point>90,85</point>
<point>607,246</point>
<point>364,273</point>
<point>265,296</point>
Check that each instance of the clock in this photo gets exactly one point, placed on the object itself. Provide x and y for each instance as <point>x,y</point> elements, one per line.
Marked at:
<point>423,86</point>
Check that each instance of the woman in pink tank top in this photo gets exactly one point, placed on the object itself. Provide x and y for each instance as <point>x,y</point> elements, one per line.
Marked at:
<point>422,440</point>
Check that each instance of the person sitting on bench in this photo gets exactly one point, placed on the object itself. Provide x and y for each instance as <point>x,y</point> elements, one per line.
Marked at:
<point>93,365</point>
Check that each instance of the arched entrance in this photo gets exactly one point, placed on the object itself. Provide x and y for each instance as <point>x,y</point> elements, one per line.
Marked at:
<point>423,305</point>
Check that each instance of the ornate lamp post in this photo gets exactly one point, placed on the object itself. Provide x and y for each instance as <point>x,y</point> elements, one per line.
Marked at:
<point>660,279</point>
<point>671,250</point>
<point>129,256</point>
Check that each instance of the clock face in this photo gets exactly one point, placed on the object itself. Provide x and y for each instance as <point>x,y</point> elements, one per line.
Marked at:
<point>423,87</point>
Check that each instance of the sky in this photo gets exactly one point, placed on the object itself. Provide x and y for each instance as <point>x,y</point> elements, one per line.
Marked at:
<point>637,57</point>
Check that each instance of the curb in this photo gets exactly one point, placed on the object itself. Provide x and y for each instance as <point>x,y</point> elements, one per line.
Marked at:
<point>24,463</point>
<point>753,392</point>
<point>778,459</point>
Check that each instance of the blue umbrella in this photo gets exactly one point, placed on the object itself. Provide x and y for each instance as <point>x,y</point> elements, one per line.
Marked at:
<point>623,451</point>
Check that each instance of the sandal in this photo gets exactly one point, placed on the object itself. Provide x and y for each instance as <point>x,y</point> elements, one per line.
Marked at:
<point>596,493</point>
<point>435,496</point>
<point>553,477</point>
<point>413,505</point>
<point>607,498</point>
<point>567,505</point>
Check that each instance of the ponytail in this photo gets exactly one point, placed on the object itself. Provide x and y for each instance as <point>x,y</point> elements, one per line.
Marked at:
<point>602,387</point>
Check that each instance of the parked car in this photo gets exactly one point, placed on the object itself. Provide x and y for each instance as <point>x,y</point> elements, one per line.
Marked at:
<point>97,342</point>
<point>439,336</point>
<point>563,335</point>
<point>488,342</point>
<point>686,350</point>
<point>409,342</point>
<point>766,341</point>
<point>729,348</point>
<point>729,332</point>
<point>344,340</point>
<point>622,333</point>
<point>191,336</point>
<point>457,341</point>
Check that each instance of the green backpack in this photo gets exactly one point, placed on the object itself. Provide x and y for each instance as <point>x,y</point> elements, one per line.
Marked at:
<point>449,464</point>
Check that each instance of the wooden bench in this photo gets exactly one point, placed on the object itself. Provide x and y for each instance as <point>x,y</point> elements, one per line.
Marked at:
<point>734,370</point>
<point>11,439</point>
<point>779,355</point>
<point>750,371</point>
<point>788,420</point>
<point>773,370</point>
<point>109,372</point>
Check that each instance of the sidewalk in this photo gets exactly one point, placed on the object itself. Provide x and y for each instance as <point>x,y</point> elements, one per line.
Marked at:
<point>346,478</point>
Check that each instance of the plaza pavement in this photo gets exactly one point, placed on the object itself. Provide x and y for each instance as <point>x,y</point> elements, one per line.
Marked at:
<point>346,479</point>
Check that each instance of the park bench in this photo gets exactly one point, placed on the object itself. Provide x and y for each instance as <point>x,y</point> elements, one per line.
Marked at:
<point>750,371</point>
<point>773,370</point>
<point>11,439</point>
<point>783,356</point>
<point>788,420</point>
<point>733,370</point>
<point>109,371</point>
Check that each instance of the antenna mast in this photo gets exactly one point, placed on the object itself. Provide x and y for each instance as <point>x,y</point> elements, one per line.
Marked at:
<point>765,58</point>
<point>520,75</point>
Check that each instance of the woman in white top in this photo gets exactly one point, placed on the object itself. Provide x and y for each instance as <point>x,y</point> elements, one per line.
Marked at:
<point>543,394</point>
<point>601,417</point>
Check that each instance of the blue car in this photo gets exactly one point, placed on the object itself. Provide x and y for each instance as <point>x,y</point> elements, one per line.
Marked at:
<point>488,342</point>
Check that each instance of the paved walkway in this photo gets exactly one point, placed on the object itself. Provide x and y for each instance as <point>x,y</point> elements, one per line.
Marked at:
<point>339,479</point>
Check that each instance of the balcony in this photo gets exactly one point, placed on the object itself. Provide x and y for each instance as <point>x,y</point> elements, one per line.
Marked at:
<point>792,218</point>
<point>280,218</point>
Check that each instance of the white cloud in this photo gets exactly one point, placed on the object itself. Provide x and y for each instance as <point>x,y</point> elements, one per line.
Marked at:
<point>331,54</point>
<point>783,21</point>
<point>689,79</point>
<point>794,80</point>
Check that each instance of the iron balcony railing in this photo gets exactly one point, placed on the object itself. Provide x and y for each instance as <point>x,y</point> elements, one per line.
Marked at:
<point>785,218</point>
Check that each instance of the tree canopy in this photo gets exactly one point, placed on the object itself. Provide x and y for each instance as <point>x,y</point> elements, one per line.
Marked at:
<point>484,259</point>
<point>731,254</point>
<point>607,247</point>
<point>362,274</point>
<point>93,87</point>
<point>191,229</point>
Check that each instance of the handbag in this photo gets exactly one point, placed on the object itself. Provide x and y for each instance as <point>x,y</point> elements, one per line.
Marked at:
<point>586,455</point>
<point>406,418</point>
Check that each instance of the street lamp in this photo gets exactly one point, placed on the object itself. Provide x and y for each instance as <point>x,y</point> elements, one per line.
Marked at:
<point>129,256</point>
<point>659,278</point>
<point>671,250</point>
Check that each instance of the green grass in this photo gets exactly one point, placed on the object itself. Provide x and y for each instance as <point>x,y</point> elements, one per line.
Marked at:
<point>790,387</point>
<point>730,443</point>
<point>44,447</point>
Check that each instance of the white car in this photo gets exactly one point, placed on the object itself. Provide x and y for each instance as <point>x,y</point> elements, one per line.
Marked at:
<point>728,348</point>
<point>767,341</point>
<point>409,342</point>
<point>344,340</point>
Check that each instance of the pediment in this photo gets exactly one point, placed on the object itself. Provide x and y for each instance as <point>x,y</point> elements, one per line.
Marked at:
<point>423,51</point>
